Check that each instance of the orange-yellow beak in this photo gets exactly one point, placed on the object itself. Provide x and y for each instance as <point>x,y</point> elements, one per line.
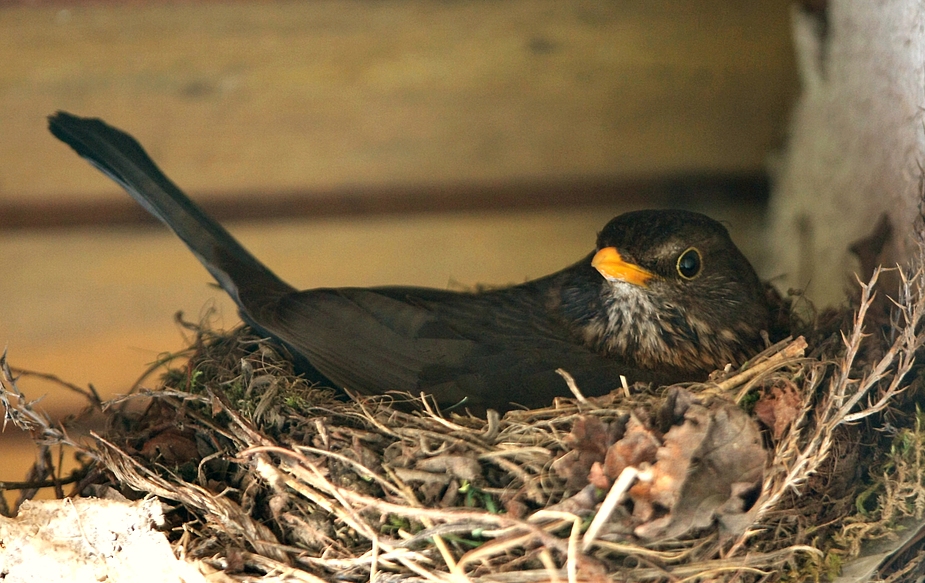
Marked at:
<point>609,263</point>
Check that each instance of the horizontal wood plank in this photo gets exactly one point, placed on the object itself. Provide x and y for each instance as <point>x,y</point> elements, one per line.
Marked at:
<point>240,97</point>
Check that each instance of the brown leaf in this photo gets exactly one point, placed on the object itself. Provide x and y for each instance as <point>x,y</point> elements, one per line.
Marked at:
<point>637,445</point>
<point>568,466</point>
<point>709,468</point>
<point>589,434</point>
<point>778,409</point>
<point>172,446</point>
<point>589,439</point>
<point>673,460</point>
<point>581,502</point>
<point>597,477</point>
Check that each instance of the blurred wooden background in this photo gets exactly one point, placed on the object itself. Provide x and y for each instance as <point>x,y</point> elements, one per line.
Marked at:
<point>361,143</point>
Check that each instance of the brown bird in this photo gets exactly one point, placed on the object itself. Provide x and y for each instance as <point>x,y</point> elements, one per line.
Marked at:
<point>665,297</point>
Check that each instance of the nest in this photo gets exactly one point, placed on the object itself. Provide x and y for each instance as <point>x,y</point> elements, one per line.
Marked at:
<point>778,471</point>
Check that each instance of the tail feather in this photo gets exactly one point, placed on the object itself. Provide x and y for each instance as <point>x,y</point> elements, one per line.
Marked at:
<point>121,157</point>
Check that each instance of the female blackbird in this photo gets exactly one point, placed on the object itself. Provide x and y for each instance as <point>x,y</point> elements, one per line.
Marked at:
<point>665,297</point>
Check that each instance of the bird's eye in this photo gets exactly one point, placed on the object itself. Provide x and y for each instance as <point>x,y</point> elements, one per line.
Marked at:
<point>690,263</point>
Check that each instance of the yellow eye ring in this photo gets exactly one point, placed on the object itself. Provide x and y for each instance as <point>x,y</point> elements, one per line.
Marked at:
<point>690,263</point>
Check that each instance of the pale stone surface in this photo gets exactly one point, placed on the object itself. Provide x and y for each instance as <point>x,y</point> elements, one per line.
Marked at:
<point>857,143</point>
<point>89,540</point>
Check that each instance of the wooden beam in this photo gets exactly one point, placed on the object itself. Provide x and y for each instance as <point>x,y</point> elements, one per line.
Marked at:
<point>338,202</point>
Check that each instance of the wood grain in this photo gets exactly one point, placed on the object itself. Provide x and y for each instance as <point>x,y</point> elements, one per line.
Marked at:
<point>237,97</point>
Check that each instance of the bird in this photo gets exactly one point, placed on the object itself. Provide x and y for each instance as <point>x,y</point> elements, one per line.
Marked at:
<point>664,297</point>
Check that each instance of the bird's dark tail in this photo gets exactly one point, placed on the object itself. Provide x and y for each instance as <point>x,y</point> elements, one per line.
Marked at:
<point>121,157</point>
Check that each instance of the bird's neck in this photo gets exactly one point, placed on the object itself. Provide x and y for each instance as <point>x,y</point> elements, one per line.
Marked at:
<point>630,323</point>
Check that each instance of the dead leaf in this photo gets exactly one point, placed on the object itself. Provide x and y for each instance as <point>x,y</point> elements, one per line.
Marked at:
<point>172,446</point>
<point>709,468</point>
<point>598,478</point>
<point>638,445</point>
<point>778,409</point>
<point>589,439</point>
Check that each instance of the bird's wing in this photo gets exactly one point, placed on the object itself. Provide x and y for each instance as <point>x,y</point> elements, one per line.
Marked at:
<point>361,339</point>
<point>456,347</point>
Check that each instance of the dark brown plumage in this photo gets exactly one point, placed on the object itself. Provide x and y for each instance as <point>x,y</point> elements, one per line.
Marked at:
<point>665,297</point>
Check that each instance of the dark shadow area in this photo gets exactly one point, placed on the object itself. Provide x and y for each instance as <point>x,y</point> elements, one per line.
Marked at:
<point>363,201</point>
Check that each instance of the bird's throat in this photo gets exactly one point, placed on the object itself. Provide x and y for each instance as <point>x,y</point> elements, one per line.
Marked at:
<point>659,336</point>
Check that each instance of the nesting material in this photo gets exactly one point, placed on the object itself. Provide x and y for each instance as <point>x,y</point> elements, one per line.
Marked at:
<point>779,471</point>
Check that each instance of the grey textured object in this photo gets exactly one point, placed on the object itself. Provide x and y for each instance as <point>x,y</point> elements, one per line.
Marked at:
<point>857,144</point>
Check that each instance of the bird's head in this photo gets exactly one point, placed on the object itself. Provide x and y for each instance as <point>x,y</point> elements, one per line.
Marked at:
<point>676,292</point>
